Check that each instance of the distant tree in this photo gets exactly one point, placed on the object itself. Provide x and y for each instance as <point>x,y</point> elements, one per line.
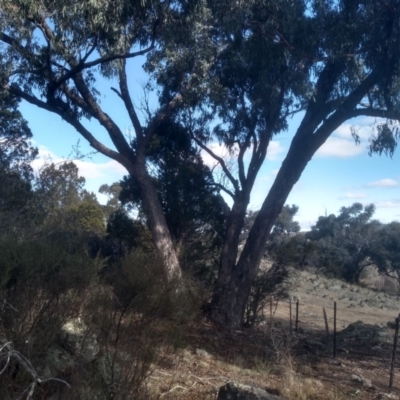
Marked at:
<point>386,252</point>
<point>345,242</point>
<point>16,154</point>
<point>63,204</point>
<point>112,192</point>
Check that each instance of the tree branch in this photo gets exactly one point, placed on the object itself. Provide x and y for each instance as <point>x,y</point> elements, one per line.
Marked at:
<point>221,162</point>
<point>224,189</point>
<point>347,108</point>
<point>100,147</point>
<point>113,130</point>
<point>82,65</point>
<point>373,112</point>
<point>125,96</point>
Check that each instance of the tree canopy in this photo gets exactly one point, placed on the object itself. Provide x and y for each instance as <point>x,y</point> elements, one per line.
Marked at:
<point>228,72</point>
<point>347,241</point>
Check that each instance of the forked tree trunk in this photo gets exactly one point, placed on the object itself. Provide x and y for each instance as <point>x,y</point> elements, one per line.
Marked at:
<point>235,278</point>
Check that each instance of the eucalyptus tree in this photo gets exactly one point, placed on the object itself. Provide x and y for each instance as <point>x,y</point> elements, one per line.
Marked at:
<point>241,69</point>
<point>61,203</point>
<point>346,242</point>
<point>52,53</point>
<point>386,252</point>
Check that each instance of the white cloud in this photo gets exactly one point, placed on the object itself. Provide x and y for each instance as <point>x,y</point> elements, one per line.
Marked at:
<point>275,172</point>
<point>363,131</point>
<point>384,183</point>
<point>219,150</point>
<point>354,196</point>
<point>274,150</point>
<point>340,147</point>
<point>87,168</point>
<point>388,204</point>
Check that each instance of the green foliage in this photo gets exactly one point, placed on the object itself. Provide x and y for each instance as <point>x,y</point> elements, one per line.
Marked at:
<point>48,282</point>
<point>186,187</point>
<point>386,252</point>
<point>124,234</point>
<point>62,204</point>
<point>86,218</point>
<point>16,150</point>
<point>296,251</point>
<point>16,153</point>
<point>189,197</point>
<point>284,226</point>
<point>47,261</point>
<point>346,241</point>
<point>112,192</point>
<point>270,285</point>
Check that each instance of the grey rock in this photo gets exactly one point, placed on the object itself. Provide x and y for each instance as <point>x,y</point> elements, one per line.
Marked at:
<point>203,353</point>
<point>359,330</point>
<point>364,381</point>
<point>385,396</point>
<point>237,391</point>
<point>76,338</point>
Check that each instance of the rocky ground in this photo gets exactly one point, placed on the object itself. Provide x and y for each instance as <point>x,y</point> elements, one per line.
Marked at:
<point>294,365</point>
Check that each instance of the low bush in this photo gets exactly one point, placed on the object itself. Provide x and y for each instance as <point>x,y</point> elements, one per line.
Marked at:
<point>46,284</point>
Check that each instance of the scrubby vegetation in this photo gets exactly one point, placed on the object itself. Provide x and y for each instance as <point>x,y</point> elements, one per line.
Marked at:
<point>93,296</point>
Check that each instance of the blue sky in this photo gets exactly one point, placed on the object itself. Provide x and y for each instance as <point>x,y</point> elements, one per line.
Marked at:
<point>340,174</point>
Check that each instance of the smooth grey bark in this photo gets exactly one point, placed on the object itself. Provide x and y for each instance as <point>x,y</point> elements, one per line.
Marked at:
<point>157,223</point>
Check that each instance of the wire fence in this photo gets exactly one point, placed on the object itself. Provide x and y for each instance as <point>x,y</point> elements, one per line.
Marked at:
<point>330,316</point>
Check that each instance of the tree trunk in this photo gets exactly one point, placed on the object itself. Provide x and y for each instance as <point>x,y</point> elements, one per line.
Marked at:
<point>157,223</point>
<point>221,310</point>
<point>233,289</point>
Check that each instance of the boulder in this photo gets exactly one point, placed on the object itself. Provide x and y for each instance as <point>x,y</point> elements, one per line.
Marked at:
<point>76,339</point>
<point>76,346</point>
<point>359,330</point>
<point>237,391</point>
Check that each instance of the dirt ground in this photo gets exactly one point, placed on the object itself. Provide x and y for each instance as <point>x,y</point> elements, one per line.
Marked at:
<point>295,365</point>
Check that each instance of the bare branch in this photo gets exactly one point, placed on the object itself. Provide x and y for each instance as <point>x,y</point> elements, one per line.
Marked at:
<point>373,112</point>
<point>113,130</point>
<point>125,96</point>
<point>221,161</point>
<point>224,189</point>
<point>100,147</point>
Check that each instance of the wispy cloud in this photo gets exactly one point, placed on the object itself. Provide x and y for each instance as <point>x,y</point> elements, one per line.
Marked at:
<point>87,168</point>
<point>340,147</point>
<point>388,204</point>
<point>219,150</point>
<point>383,183</point>
<point>274,150</point>
<point>354,196</point>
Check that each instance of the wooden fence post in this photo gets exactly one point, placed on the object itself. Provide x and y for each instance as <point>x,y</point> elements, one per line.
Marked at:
<point>297,316</point>
<point>334,329</point>
<point>396,335</point>
<point>326,322</point>
<point>290,314</point>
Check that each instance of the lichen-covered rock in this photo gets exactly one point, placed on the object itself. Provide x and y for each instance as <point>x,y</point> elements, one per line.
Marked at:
<point>237,391</point>
<point>76,338</point>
